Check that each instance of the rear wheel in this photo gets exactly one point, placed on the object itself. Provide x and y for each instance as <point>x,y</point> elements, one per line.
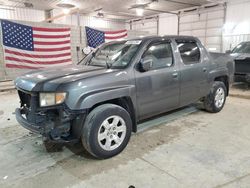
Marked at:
<point>215,100</point>
<point>106,131</point>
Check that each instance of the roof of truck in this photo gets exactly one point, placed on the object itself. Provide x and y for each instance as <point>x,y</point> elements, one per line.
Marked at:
<point>165,37</point>
<point>148,38</point>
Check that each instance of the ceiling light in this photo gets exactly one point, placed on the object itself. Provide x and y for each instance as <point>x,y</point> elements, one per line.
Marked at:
<point>139,11</point>
<point>65,5</point>
<point>66,11</point>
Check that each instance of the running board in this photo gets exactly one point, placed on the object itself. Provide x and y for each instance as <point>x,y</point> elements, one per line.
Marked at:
<point>171,116</point>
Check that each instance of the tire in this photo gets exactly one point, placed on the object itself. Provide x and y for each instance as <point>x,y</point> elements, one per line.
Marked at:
<point>215,100</point>
<point>100,138</point>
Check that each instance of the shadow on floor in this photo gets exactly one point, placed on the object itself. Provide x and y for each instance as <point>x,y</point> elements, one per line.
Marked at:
<point>241,86</point>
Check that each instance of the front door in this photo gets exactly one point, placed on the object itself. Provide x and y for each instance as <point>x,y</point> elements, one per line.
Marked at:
<point>158,88</point>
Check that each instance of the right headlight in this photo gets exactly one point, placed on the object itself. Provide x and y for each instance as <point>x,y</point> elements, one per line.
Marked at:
<point>49,99</point>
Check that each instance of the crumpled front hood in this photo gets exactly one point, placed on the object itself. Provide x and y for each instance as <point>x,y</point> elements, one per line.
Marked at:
<point>50,79</point>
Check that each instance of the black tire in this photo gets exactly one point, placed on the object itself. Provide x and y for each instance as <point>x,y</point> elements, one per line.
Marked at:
<point>92,125</point>
<point>210,102</point>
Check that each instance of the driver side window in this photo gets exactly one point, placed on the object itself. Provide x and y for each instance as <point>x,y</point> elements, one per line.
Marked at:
<point>160,54</point>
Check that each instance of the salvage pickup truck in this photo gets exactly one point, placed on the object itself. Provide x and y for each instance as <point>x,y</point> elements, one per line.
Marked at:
<point>101,100</point>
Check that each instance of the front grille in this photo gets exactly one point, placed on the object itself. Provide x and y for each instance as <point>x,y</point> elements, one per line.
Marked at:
<point>25,99</point>
<point>28,100</point>
<point>242,66</point>
<point>29,104</point>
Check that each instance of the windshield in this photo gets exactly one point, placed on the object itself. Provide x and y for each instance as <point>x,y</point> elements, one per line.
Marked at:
<point>242,48</point>
<point>113,55</point>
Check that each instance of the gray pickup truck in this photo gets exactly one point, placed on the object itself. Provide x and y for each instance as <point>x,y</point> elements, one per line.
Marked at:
<point>101,100</point>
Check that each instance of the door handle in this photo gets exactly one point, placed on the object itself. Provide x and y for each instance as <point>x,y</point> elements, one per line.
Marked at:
<point>175,75</point>
<point>204,69</point>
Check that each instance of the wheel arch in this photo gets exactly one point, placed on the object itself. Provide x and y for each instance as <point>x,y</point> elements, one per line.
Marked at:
<point>225,80</point>
<point>124,102</point>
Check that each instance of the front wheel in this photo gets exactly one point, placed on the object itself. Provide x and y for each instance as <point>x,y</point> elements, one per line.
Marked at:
<point>215,100</point>
<point>106,131</point>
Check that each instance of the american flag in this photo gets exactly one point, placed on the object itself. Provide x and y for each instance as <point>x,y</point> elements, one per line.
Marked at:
<point>96,37</point>
<point>35,47</point>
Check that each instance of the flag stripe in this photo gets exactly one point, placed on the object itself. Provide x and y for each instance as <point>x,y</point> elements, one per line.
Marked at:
<point>113,35</point>
<point>37,56</point>
<point>37,62</point>
<point>51,49</point>
<point>51,43</point>
<point>50,33</point>
<point>21,66</point>
<point>39,59</point>
<point>50,36</point>
<point>51,39</point>
<point>116,37</point>
<point>37,65</point>
<point>51,46</point>
<point>38,53</point>
<point>115,32</point>
<point>50,29</point>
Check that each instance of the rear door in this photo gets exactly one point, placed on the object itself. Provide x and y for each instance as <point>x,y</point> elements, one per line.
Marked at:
<point>158,88</point>
<point>194,67</point>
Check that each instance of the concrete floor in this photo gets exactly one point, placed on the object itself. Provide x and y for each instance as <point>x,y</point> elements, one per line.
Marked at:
<point>241,90</point>
<point>196,150</point>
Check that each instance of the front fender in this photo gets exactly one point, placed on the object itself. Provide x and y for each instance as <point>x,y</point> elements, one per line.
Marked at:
<point>92,98</point>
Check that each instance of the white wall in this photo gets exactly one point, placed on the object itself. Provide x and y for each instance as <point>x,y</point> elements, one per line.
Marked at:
<point>206,24</point>
<point>168,24</point>
<point>209,26</point>
<point>164,24</point>
<point>149,26</point>
<point>87,21</point>
<point>83,20</point>
<point>135,33</point>
<point>22,14</point>
<point>101,23</point>
<point>237,26</point>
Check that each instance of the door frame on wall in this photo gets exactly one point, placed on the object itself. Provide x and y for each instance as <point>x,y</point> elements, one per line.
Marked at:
<point>143,21</point>
<point>206,17</point>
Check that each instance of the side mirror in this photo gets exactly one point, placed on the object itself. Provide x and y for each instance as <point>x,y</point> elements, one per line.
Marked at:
<point>146,65</point>
<point>86,50</point>
<point>228,51</point>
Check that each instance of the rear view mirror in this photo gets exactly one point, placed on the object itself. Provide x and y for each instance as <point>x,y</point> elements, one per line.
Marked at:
<point>146,64</point>
<point>228,51</point>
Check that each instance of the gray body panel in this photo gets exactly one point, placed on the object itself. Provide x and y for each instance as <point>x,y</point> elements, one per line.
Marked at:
<point>151,92</point>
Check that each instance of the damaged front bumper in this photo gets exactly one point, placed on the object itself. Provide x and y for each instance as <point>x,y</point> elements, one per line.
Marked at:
<point>57,123</point>
<point>26,124</point>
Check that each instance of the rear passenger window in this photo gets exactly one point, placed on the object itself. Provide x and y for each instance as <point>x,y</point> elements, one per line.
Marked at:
<point>190,52</point>
<point>160,54</point>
